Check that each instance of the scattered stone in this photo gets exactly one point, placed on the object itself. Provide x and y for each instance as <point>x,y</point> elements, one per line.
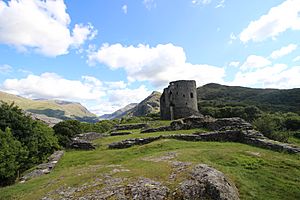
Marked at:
<point>120,133</point>
<point>43,168</point>
<point>206,183</point>
<point>80,144</point>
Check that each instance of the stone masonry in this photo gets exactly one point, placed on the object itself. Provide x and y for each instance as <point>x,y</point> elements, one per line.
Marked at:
<point>179,100</point>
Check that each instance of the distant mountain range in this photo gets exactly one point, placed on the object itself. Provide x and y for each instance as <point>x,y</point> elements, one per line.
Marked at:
<point>51,108</point>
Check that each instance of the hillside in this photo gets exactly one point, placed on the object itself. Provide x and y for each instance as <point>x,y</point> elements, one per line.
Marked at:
<point>266,99</point>
<point>149,105</point>
<point>51,108</point>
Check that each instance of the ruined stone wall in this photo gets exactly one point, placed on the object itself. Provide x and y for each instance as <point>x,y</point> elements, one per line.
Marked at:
<point>179,100</point>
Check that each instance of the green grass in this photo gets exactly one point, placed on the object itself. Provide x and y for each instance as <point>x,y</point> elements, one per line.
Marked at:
<point>258,173</point>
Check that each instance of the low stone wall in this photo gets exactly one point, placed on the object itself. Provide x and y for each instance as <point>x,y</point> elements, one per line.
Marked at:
<point>89,136</point>
<point>79,144</point>
<point>250,137</point>
<point>44,168</point>
<point>130,142</point>
<point>206,122</point>
<point>120,133</point>
<point>130,126</point>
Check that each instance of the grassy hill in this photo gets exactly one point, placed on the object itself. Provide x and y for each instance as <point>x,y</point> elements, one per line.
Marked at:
<point>266,99</point>
<point>257,173</point>
<point>51,108</point>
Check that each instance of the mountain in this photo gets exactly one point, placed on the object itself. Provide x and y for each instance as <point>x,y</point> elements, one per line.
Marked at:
<point>119,113</point>
<point>149,105</point>
<point>51,108</point>
<point>287,100</point>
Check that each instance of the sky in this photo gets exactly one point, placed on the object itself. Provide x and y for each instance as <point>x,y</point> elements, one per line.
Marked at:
<point>106,54</point>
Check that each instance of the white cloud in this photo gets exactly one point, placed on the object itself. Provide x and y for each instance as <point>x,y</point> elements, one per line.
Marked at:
<point>221,4</point>
<point>203,2</point>
<point>279,19</point>
<point>234,64</point>
<point>254,62</point>
<point>296,59</point>
<point>125,9</point>
<point>42,26</point>
<point>276,76</point>
<point>5,69</point>
<point>99,97</point>
<point>149,4</point>
<point>283,51</point>
<point>159,64</point>
<point>51,85</point>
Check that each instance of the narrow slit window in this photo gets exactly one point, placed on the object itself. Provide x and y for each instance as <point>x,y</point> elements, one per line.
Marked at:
<point>192,95</point>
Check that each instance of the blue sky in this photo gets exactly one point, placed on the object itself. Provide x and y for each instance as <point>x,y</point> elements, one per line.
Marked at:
<point>107,54</point>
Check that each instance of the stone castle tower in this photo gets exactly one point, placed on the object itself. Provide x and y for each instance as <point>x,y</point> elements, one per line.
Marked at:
<point>179,100</point>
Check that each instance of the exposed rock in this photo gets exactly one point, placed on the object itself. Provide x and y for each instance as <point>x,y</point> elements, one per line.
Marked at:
<point>120,133</point>
<point>148,189</point>
<point>77,143</point>
<point>130,126</point>
<point>149,105</point>
<point>130,142</point>
<point>44,168</point>
<point>206,183</point>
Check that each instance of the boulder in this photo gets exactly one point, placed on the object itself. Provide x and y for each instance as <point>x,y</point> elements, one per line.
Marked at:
<point>206,182</point>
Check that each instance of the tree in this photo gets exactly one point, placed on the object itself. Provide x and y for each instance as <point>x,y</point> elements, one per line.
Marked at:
<point>11,155</point>
<point>65,130</point>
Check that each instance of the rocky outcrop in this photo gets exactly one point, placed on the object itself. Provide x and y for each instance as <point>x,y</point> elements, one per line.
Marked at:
<point>131,142</point>
<point>146,188</point>
<point>120,133</point>
<point>206,182</point>
<point>80,144</point>
<point>44,168</point>
<point>122,127</point>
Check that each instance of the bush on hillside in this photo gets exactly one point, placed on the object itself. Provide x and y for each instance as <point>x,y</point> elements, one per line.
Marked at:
<point>66,130</point>
<point>99,127</point>
<point>249,113</point>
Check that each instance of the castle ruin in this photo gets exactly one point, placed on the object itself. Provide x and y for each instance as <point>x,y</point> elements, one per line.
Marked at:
<point>179,100</point>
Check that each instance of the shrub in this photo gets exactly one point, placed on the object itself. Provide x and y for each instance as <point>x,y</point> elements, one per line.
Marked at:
<point>65,130</point>
<point>11,155</point>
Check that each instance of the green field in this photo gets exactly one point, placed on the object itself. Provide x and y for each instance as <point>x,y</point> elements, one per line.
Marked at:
<point>257,173</point>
